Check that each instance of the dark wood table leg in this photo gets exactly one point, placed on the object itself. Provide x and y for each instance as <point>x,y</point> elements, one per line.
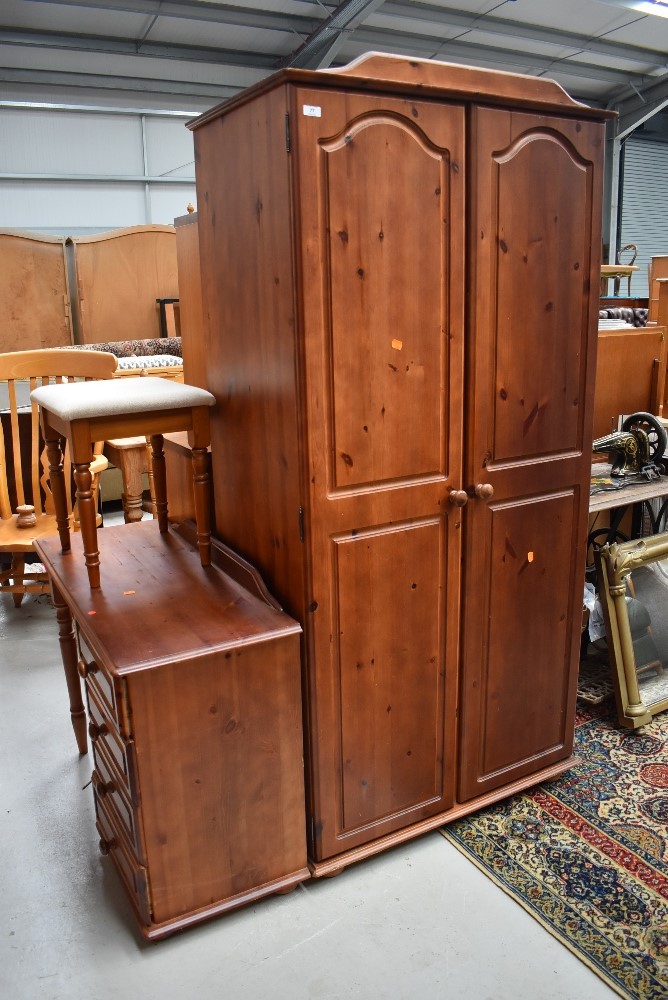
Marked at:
<point>70,657</point>
<point>54,454</point>
<point>201,484</point>
<point>159,480</point>
<point>86,506</point>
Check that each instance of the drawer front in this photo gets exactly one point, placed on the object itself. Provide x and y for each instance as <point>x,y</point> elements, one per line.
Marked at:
<point>119,752</point>
<point>97,677</point>
<point>133,875</point>
<point>107,787</point>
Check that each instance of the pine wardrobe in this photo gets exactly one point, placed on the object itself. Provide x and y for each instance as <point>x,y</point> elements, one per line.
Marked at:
<point>400,267</point>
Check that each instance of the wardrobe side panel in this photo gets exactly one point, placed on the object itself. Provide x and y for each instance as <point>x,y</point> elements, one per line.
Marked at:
<point>245,235</point>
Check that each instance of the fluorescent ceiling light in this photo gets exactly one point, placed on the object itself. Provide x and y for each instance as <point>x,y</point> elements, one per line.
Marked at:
<point>658,7</point>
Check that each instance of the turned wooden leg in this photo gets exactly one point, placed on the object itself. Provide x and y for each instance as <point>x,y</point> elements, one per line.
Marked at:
<point>54,453</point>
<point>132,489</point>
<point>86,505</point>
<point>200,460</point>
<point>70,657</point>
<point>151,481</point>
<point>132,464</point>
<point>159,480</point>
<point>18,574</point>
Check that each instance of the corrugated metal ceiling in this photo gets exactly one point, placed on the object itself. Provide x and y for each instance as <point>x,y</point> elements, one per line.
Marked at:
<point>601,53</point>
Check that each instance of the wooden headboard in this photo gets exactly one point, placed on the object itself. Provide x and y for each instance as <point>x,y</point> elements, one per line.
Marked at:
<point>116,278</point>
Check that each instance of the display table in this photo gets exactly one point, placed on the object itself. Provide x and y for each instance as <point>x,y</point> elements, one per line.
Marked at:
<point>637,493</point>
<point>615,271</point>
<point>192,680</point>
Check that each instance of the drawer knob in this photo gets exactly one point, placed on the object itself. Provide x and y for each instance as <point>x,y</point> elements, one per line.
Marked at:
<point>107,845</point>
<point>86,668</point>
<point>102,788</point>
<point>95,731</point>
<point>458,498</point>
<point>484,491</point>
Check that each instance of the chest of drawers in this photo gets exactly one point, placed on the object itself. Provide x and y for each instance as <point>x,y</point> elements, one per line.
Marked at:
<point>193,693</point>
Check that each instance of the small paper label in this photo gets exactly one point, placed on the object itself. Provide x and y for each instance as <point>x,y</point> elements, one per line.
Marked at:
<point>312,111</point>
<point>397,344</point>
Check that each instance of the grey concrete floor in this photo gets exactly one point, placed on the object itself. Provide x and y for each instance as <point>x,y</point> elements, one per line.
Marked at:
<point>418,921</point>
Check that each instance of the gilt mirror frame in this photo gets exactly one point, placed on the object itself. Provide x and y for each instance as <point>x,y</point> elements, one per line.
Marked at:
<point>614,562</point>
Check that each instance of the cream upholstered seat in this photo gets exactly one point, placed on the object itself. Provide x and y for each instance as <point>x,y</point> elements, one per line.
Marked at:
<point>87,400</point>
<point>86,412</point>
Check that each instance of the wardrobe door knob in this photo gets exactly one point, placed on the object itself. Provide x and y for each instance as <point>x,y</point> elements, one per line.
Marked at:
<point>484,491</point>
<point>458,497</point>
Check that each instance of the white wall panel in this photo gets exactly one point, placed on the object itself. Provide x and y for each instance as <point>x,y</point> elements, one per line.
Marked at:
<point>63,142</point>
<point>69,207</point>
<point>99,144</point>
<point>168,201</point>
<point>169,147</point>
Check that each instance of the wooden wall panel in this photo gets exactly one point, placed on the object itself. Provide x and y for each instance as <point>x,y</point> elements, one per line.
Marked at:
<point>626,381</point>
<point>34,292</point>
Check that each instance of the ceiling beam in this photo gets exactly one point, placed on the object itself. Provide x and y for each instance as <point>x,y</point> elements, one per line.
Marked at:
<point>132,47</point>
<point>195,10</point>
<point>638,108</point>
<point>99,81</point>
<point>321,47</point>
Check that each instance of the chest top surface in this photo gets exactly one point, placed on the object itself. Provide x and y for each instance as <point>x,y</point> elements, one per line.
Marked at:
<point>156,603</point>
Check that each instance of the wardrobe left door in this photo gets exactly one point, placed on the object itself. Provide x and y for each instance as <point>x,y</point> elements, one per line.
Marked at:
<point>379,223</point>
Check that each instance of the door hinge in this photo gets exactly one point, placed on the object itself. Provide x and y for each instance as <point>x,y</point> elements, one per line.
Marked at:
<point>287,132</point>
<point>301,524</point>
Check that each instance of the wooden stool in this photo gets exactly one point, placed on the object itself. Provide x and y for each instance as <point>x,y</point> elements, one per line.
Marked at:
<point>85,412</point>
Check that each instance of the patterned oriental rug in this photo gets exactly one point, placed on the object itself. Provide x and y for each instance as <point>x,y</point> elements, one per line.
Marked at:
<point>587,854</point>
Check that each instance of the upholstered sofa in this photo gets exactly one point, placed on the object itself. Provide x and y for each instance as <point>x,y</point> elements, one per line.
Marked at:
<point>623,314</point>
<point>136,356</point>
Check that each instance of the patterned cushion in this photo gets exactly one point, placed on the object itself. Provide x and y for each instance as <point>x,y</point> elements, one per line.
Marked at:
<point>137,348</point>
<point>151,361</point>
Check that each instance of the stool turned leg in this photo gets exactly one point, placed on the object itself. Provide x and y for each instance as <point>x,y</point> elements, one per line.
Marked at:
<point>86,504</point>
<point>70,658</point>
<point>200,460</point>
<point>159,480</point>
<point>54,454</point>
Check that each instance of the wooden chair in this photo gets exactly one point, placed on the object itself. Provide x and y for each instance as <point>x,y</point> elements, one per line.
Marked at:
<point>633,250</point>
<point>27,509</point>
